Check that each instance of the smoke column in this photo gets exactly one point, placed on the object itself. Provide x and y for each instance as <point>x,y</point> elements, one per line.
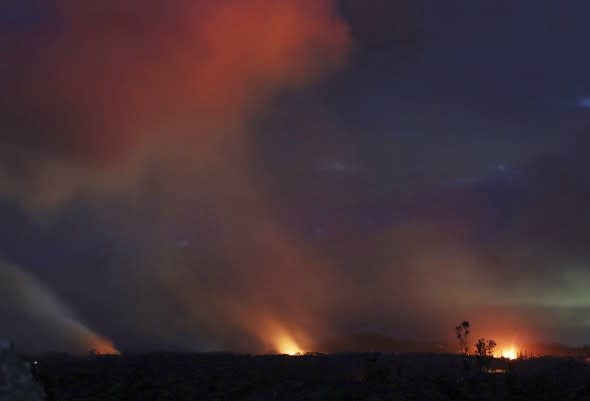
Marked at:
<point>125,88</point>
<point>28,299</point>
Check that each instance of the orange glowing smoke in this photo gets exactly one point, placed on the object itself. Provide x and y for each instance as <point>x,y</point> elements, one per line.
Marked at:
<point>102,346</point>
<point>280,338</point>
<point>131,74</point>
<point>122,83</point>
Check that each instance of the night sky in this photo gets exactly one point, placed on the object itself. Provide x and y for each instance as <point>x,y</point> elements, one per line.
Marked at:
<point>226,174</point>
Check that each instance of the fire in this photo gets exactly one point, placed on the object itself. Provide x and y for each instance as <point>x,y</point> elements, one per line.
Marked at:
<point>281,338</point>
<point>286,345</point>
<point>508,353</point>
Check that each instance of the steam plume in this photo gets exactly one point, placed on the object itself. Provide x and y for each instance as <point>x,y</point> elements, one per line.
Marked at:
<point>123,89</point>
<point>27,299</point>
<point>122,83</point>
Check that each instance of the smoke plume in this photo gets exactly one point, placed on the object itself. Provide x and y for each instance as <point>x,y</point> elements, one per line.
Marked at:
<point>111,86</point>
<point>28,303</point>
<point>117,92</point>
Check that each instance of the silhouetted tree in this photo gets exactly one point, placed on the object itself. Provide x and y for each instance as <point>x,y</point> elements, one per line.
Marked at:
<point>490,346</point>
<point>485,348</point>
<point>480,347</point>
<point>462,331</point>
<point>484,351</point>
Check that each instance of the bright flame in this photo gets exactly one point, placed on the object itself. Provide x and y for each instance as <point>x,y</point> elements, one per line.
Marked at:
<point>286,345</point>
<point>510,353</point>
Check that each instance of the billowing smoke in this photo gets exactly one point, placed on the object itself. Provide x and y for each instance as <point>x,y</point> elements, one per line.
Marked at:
<point>119,91</point>
<point>146,115</point>
<point>28,303</point>
<point>111,86</point>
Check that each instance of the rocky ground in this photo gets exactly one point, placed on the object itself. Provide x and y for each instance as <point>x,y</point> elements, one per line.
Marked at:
<point>354,377</point>
<point>16,377</point>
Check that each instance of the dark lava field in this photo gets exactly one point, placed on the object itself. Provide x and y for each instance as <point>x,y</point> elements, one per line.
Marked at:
<point>346,377</point>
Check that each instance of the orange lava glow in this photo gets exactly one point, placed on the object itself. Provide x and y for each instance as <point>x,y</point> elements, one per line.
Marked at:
<point>508,353</point>
<point>102,346</point>
<point>287,346</point>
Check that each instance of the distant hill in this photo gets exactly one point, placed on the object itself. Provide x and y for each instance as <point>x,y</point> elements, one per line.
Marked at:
<point>375,342</point>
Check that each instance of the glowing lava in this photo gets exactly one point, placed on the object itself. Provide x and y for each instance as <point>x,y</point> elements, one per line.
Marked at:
<point>287,346</point>
<point>102,346</point>
<point>510,353</point>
